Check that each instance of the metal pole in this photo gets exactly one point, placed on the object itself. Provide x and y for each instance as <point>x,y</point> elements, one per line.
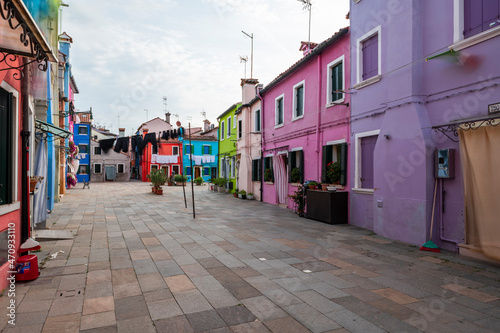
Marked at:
<point>192,171</point>
<point>184,190</point>
<point>251,61</point>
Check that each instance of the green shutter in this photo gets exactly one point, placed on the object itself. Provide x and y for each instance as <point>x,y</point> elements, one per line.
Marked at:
<point>291,163</point>
<point>326,158</point>
<point>301,162</point>
<point>343,164</point>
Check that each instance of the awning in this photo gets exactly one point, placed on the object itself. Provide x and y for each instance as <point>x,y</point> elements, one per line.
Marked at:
<point>466,125</point>
<point>48,128</point>
<point>20,36</point>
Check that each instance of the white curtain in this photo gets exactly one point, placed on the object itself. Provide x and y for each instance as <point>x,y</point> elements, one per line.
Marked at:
<point>280,178</point>
<point>40,199</point>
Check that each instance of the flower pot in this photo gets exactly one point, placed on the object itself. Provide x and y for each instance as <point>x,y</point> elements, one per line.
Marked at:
<point>153,189</point>
<point>240,196</point>
<point>222,189</point>
<point>312,187</point>
<point>235,195</point>
<point>324,187</point>
<point>33,185</point>
<point>159,191</point>
<point>244,196</point>
<point>250,197</point>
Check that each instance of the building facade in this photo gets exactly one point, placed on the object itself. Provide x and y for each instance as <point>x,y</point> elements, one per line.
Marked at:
<point>81,135</point>
<point>305,120</point>
<point>201,150</point>
<point>227,161</point>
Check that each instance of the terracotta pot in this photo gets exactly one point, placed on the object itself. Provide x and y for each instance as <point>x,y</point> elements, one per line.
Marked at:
<point>312,187</point>
<point>159,191</point>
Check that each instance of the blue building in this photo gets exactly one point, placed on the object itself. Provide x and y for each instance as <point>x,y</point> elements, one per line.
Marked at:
<point>203,150</point>
<point>82,133</point>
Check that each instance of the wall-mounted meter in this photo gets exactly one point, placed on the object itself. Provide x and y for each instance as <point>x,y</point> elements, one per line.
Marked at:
<point>444,163</point>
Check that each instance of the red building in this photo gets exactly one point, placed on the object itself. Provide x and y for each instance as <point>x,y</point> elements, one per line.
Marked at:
<point>168,157</point>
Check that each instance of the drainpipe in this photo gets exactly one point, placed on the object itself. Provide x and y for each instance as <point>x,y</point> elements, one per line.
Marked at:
<point>218,150</point>
<point>261,144</point>
<point>441,223</point>
<point>318,142</point>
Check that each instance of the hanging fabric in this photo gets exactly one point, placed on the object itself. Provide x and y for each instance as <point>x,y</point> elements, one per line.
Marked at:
<point>40,199</point>
<point>165,135</point>
<point>106,144</point>
<point>136,142</point>
<point>280,179</point>
<point>151,138</point>
<point>122,144</point>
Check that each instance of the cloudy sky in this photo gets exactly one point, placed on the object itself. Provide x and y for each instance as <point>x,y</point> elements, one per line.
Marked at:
<point>128,55</point>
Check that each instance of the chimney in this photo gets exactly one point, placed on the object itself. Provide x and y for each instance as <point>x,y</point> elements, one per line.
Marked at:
<point>206,125</point>
<point>121,132</point>
<point>167,117</point>
<point>248,90</point>
<point>307,47</point>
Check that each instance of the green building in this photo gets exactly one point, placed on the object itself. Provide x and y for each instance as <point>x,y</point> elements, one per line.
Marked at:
<point>227,160</point>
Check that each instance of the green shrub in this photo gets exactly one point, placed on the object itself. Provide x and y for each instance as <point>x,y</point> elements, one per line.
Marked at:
<point>199,180</point>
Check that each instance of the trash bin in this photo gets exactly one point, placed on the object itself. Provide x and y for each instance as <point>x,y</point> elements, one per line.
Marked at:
<point>27,268</point>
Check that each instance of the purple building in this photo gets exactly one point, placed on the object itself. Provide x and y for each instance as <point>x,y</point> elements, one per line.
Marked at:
<point>421,72</point>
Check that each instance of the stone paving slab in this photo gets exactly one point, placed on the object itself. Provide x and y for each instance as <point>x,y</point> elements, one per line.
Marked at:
<point>140,262</point>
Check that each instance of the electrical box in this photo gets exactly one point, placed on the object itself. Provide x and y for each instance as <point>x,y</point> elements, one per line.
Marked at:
<point>444,163</point>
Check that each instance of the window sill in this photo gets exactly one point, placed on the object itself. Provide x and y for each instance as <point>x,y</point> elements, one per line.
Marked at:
<point>269,183</point>
<point>334,103</point>
<point>363,190</point>
<point>368,82</point>
<point>278,126</point>
<point>5,209</point>
<point>476,39</point>
<point>297,118</point>
<point>295,184</point>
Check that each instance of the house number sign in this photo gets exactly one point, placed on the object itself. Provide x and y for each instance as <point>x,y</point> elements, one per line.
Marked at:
<point>494,108</point>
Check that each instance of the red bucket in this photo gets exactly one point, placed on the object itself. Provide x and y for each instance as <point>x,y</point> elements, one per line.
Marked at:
<point>27,268</point>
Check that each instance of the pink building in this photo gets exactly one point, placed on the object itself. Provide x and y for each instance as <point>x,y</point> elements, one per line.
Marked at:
<point>305,123</point>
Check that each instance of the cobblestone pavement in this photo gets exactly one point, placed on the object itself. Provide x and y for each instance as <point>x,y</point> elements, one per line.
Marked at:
<point>140,263</point>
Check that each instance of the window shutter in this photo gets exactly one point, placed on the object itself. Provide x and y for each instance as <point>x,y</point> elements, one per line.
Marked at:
<point>473,17</point>
<point>326,158</point>
<point>210,149</point>
<point>339,81</point>
<point>367,159</point>
<point>490,14</point>
<point>301,163</point>
<point>370,57</point>
<point>343,164</point>
<point>291,165</point>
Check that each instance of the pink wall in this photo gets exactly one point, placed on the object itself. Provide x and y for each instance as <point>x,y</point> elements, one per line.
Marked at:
<point>320,124</point>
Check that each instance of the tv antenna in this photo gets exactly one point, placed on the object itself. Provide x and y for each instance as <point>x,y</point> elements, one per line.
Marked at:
<point>307,5</point>
<point>251,56</point>
<point>244,59</point>
<point>176,115</point>
<point>165,103</point>
<point>204,114</point>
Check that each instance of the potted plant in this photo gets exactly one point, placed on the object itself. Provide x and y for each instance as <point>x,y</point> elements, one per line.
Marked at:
<point>243,194</point>
<point>295,175</point>
<point>222,185</point>
<point>180,179</point>
<point>298,198</point>
<point>250,196</point>
<point>157,178</point>
<point>333,172</point>
<point>33,181</point>
<point>312,185</point>
<point>235,192</point>
<point>198,181</point>
<point>268,175</point>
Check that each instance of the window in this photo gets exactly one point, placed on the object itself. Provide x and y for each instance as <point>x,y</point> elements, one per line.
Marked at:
<point>296,167</point>
<point>120,168</point>
<point>240,129</point>
<point>256,170</point>
<point>175,169</point>
<point>189,149</point>
<point>206,171</point>
<point>222,132</point>
<point>222,167</point>
<point>207,150</point>
<point>83,130</point>
<point>97,151</point>
<point>365,147</point>
<point>369,56</point>
<point>335,81</point>
<point>188,171</point>
<point>7,143</point>
<point>233,167</point>
<point>228,127</point>
<point>279,111</point>
<point>268,169</point>
<point>298,100</point>
<point>83,148</point>
<point>175,150</point>
<point>234,122</point>
<point>480,15</point>
<point>154,167</point>
<point>334,152</point>
<point>97,168</point>
<point>257,121</point>
<point>83,169</point>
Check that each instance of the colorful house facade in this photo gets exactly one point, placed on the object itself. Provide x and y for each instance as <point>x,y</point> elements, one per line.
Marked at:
<point>423,131</point>
<point>227,161</point>
<point>305,120</point>
<point>81,136</point>
<point>248,138</point>
<point>203,151</point>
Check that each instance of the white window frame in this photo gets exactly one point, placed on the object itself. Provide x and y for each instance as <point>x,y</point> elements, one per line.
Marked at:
<point>95,148</point>
<point>255,121</point>
<point>359,58</point>
<point>228,127</point>
<point>83,144</point>
<point>178,168</point>
<point>152,165</point>
<point>329,67</point>
<point>86,130</point>
<point>357,165</point>
<point>459,41</point>
<point>15,204</point>
<point>78,171</point>
<point>117,168</point>
<point>239,131</point>
<point>173,153</point>
<point>97,173</point>
<point>222,131</point>
<point>276,125</point>
<point>294,110</point>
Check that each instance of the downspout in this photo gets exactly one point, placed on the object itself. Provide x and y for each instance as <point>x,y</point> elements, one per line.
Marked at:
<point>318,142</point>
<point>441,223</point>
<point>25,134</point>
<point>218,149</point>
<point>261,145</point>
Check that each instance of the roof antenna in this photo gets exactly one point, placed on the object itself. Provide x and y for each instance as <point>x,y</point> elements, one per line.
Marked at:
<point>204,114</point>
<point>244,59</point>
<point>308,6</point>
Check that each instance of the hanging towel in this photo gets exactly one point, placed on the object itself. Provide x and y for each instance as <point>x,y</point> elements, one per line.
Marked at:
<point>122,144</point>
<point>106,144</point>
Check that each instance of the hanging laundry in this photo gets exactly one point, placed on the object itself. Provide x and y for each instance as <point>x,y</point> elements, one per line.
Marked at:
<point>181,131</point>
<point>175,133</point>
<point>106,144</point>
<point>149,137</point>
<point>122,144</point>
<point>165,135</point>
<point>136,142</point>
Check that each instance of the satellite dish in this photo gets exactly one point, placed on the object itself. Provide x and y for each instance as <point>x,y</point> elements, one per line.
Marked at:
<point>178,123</point>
